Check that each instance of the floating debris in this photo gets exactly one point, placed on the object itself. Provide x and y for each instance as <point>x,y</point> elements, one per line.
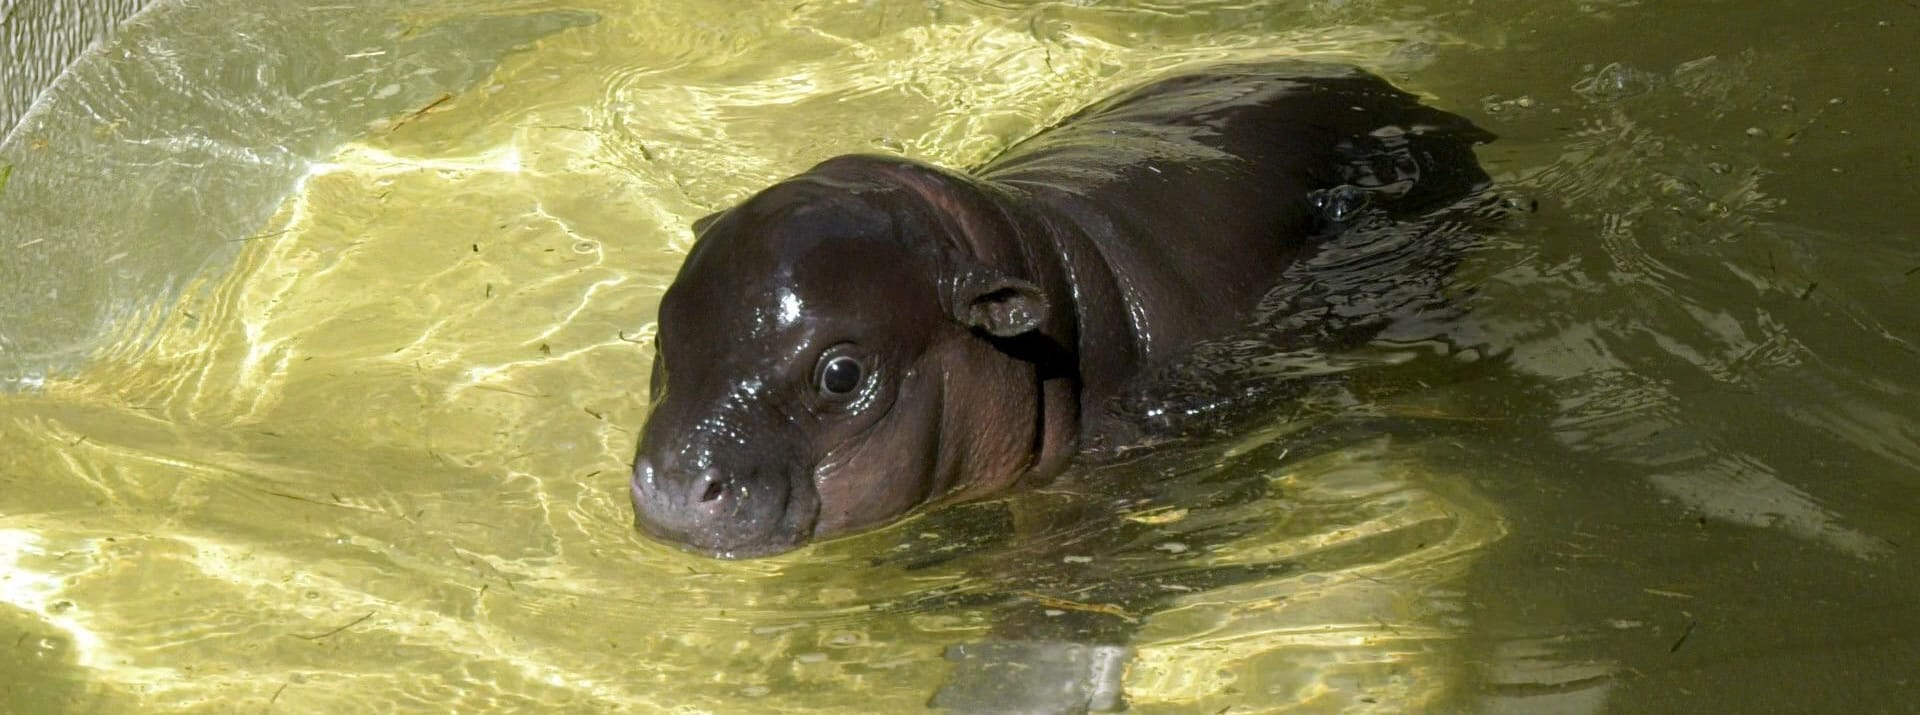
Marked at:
<point>336,631</point>
<point>1061,603</point>
<point>1158,516</point>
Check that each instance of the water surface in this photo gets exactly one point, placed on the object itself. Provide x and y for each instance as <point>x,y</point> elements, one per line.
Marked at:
<point>323,353</point>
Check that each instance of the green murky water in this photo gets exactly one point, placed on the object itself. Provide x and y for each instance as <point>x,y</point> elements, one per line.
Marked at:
<point>318,338</point>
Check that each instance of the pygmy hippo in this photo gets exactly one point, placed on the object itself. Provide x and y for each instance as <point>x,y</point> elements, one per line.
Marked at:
<point>876,333</point>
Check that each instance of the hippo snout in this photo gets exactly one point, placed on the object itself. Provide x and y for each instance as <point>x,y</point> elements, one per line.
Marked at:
<point>707,490</point>
<point>712,511</point>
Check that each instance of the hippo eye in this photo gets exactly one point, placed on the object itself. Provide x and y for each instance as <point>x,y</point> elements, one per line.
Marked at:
<point>840,376</point>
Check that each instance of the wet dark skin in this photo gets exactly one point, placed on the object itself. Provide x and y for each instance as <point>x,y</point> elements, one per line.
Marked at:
<point>877,334</point>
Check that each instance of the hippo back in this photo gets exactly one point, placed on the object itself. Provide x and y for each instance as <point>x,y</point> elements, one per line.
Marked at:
<point>1177,205</point>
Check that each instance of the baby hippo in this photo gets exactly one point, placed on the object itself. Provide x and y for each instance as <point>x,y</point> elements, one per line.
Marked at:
<point>877,334</point>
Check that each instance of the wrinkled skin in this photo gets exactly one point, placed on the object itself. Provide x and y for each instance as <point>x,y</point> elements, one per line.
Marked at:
<point>877,334</point>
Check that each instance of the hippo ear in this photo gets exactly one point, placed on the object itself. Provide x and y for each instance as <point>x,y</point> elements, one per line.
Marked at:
<point>700,224</point>
<point>996,303</point>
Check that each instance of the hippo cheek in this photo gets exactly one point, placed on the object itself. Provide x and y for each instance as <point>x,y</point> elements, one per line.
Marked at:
<point>884,470</point>
<point>964,427</point>
<point>991,421</point>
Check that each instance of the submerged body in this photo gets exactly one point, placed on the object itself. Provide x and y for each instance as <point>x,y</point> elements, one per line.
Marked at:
<point>876,333</point>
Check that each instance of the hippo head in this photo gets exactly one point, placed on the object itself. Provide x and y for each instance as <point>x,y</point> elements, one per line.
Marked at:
<point>831,355</point>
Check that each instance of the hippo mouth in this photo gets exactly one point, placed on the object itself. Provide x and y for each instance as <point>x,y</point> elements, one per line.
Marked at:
<point>725,518</point>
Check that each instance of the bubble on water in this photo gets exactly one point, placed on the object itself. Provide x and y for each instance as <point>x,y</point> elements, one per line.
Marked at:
<point>1520,202</point>
<point>844,639</point>
<point>1614,82</point>
<point>1340,203</point>
<point>30,381</point>
<point>1414,52</point>
<point>1502,104</point>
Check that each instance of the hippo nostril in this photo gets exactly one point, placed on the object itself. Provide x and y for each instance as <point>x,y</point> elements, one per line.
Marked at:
<point>710,486</point>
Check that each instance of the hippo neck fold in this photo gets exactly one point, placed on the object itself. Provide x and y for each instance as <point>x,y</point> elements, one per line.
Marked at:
<point>1105,315</point>
<point>1035,232</point>
<point>1095,339</point>
<point>994,229</point>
